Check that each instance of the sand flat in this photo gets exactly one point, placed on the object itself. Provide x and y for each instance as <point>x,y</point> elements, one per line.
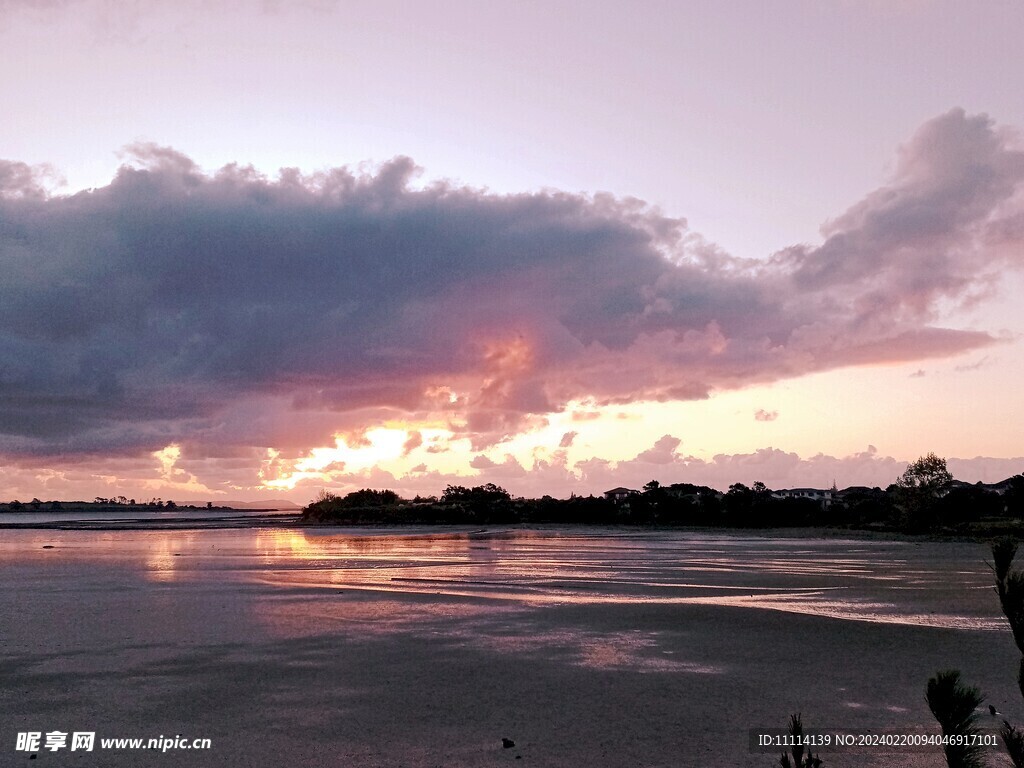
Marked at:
<point>425,647</point>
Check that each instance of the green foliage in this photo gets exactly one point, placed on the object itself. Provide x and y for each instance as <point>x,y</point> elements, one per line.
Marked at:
<point>953,705</point>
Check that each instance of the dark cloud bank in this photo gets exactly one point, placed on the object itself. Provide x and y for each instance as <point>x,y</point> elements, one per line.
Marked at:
<point>225,311</point>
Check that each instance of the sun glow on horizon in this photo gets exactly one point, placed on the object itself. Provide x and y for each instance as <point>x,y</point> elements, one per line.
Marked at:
<point>171,476</point>
<point>377,445</point>
<point>374,448</point>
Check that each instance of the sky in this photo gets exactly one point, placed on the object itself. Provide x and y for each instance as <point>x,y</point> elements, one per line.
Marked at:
<point>254,249</point>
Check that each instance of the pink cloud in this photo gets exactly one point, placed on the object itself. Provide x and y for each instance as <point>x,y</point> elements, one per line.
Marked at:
<point>229,312</point>
<point>237,478</point>
<point>414,441</point>
<point>662,452</point>
<point>481,462</point>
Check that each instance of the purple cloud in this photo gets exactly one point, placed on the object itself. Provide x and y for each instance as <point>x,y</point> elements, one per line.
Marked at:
<point>228,311</point>
<point>22,180</point>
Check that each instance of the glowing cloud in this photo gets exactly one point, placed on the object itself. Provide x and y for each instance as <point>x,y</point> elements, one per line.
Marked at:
<point>190,315</point>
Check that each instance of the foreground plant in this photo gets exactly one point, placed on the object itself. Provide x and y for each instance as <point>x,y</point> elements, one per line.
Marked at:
<point>800,760</point>
<point>1013,739</point>
<point>1010,588</point>
<point>954,705</point>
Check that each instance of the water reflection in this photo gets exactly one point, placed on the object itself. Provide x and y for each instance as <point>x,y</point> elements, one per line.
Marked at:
<point>529,568</point>
<point>425,572</point>
<point>161,560</point>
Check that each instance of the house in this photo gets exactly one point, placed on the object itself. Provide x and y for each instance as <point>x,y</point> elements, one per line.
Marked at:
<point>619,494</point>
<point>824,498</point>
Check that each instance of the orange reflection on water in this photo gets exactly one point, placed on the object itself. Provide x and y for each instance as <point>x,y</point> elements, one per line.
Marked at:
<point>159,555</point>
<point>162,557</point>
<point>524,569</point>
<point>375,562</point>
<point>438,574</point>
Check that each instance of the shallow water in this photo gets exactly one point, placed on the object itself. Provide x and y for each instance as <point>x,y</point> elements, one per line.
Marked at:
<point>919,584</point>
<point>423,646</point>
<point>154,518</point>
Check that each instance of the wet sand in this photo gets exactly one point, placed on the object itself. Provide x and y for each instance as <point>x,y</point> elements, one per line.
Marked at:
<point>425,648</point>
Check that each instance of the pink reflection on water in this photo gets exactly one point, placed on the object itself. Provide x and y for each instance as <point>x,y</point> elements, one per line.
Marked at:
<point>524,569</point>
<point>409,576</point>
<point>815,603</point>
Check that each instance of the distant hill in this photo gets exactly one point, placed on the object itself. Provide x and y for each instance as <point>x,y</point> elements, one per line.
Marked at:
<point>268,504</point>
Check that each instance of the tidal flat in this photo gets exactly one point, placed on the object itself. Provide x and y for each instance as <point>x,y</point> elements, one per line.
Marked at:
<point>426,647</point>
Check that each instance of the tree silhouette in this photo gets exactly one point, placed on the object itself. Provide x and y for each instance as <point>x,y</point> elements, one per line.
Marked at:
<point>917,490</point>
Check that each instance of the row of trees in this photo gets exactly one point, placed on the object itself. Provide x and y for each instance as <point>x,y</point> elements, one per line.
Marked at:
<point>480,504</point>
<point>924,498</point>
<point>99,501</point>
<point>121,501</point>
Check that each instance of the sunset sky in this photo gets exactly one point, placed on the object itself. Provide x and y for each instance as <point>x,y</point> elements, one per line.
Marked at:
<point>252,249</point>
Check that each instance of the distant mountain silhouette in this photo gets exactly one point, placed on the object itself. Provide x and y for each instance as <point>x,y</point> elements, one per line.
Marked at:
<point>268,504</point>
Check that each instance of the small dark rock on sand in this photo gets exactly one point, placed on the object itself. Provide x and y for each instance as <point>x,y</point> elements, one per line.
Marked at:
<point>507,743</point>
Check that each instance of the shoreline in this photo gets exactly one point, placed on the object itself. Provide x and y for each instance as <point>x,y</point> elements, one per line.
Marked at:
<point>291,520</point>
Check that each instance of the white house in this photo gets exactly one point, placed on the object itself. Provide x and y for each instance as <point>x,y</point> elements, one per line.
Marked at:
<point>824,498</point>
